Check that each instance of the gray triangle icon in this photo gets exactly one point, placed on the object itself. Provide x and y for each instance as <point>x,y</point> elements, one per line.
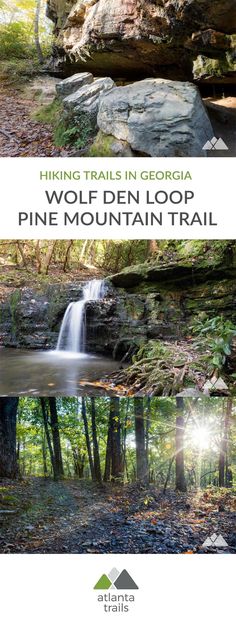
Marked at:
<point>220,541</point>
<point>125,582</point>
<point>208,542</point>
<point>207,146</point>
<point>220,145</point>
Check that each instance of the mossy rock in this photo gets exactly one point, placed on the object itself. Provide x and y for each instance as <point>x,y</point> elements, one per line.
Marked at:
<point>214,68</point>
<point>108,146</point>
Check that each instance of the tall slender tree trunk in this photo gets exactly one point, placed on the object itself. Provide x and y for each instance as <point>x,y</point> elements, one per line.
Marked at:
<point>147,427</point>
<point>66,264</point>
<point>223,457</point>
<point>180,483</point>
<point>36,31</point>
<point>78,462</point>
<point>88,444</point>
<point>8,461</point>
<point>20,247</point>
<point>96,456</point>
<point>48,437</point>
<point>107,470</point>
<point>124,460</point>
<point>83,250</point>
<point>44,454</point>
<point>38,256</point>
<point>152,248</point>
<point>141,453</point>
<point>56,438</point>
<point>48,256</point>
<point>116,460</point>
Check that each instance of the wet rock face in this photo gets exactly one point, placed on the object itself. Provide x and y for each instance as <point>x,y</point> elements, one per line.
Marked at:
<point>31,319</point>
<point>124,38</point>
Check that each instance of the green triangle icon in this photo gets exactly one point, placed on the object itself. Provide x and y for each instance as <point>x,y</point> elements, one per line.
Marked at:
<point>103,583</point>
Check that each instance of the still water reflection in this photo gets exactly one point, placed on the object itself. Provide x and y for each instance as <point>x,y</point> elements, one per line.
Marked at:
<point>51,373</point>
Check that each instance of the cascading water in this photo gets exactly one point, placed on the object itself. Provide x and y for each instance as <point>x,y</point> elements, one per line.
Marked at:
<point>72,336</point>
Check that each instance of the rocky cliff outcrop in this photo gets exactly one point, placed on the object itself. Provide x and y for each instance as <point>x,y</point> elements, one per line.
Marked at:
<point>176,39</point>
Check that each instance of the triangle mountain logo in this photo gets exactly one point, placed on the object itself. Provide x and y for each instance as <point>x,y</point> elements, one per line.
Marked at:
<point>215,144</point>
<point>116,580</point>
<point>214,540</point>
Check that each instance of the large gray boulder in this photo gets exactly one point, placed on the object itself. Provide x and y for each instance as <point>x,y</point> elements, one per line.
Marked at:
<point>73,83</point>
<point>157,117</point>
<point>87,98</point>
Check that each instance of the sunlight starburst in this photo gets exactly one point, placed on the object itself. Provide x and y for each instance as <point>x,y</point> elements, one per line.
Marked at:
<point>201,437</point>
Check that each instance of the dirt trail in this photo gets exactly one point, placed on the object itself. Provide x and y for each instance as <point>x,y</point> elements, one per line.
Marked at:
<point>20,135</point>
<point>75,516</point>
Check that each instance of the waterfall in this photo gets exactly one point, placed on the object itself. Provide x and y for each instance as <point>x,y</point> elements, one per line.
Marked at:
<point>72,336</point>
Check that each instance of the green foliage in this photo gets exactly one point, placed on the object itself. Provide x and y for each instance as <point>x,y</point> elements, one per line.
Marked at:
<point>15,41</point>
<point>102,146</point>
<point>16,72</point>
<point>68,129</point>
<point>49,114</point>
<point>215,334</point>
<point>159,415</point>
<point>73,130</point>
<point>18,53</point>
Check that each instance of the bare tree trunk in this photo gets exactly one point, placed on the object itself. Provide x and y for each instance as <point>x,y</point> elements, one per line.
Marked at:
<point>8,461</point>
<point>107,471</point>
<point>86,431</point>
<point>56,438</point>
<point>20,247</point>
<point>152,248</point>
<point>36,32</point>
<point>168,474</point>
<point>223,457</point>
<point>82,254</point>
<point>228,417</point>
<point>147,426</point>
<point>179,440</point>
<point>124,461</point>
<point>44,454</point>
<point>38,256</point>
<point>48,256</point>
<point>66,263</point>
<point>141,453</point>
<point>116,461</point>
<point>47,433</point>
<point>96,456</point>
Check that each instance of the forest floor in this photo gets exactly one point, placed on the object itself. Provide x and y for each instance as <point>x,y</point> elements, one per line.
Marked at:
<point>20,134</point>
<point>75,516</point>
<point>13,277</point>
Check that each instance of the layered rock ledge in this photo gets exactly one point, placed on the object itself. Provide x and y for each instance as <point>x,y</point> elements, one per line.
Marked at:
<point>176,39</point>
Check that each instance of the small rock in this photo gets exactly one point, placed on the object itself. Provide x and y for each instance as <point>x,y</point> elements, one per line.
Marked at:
<point>73,83</point>
<point>86,99</point>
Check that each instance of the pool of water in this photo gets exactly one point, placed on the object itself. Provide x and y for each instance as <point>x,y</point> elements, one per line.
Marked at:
<point>52,373</point>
